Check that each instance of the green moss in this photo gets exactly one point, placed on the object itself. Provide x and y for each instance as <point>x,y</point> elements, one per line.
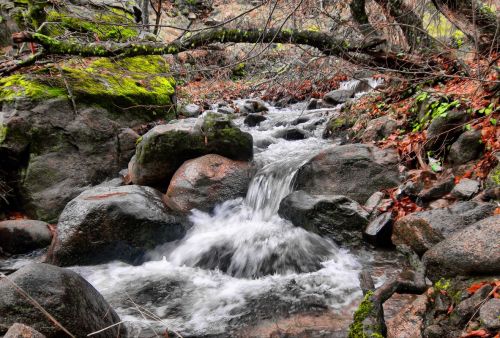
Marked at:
<point>139,81</point>
<point>494,176</point>
<point>364,310</point>
<point>442,285</point>
<point>15,86</point>
<point>3,133</point>
<point>103,25</point>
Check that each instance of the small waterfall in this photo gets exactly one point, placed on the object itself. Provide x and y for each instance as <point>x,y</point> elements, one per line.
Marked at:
<point>240,256</point>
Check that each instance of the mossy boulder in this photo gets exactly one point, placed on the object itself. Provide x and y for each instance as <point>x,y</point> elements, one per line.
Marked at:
<point>125,85</point>
<point>164,148</point>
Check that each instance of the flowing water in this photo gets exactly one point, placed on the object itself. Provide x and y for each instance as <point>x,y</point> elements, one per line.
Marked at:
<point>242,262</point>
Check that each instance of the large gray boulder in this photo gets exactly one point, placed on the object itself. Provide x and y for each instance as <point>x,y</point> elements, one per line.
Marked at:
<point>338,96</point>
<point>64,153</point>
<point>353,170</point>
<point>466,148</point>
<point>22,236</point>
<point>164,148</point>
<point>206,181</point>
<point>445,129</point>
<point>337,217</point>
<point>69,298</point>
<point>424,229</point>
<point>471,251</point>
<point>107,223</point>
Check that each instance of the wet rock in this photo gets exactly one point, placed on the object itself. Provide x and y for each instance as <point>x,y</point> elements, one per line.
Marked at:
<point>164,148</point>
<point>424,229</point>
<point>465,189</point>
<point>61,292</point>
<point>339,128</point>
<point>467,307</point>
<point>336,217</point>
<point>300,120</point>
<point>292,134</point>
<point>253,120</point>
<point>409,322</point>
<point>373,201</point>
<point>379,128</point>
<point>312,104</point>
<point>18,330</point>
<point>204,182</point>
<point>22,236</point>
<point>471,251</point>
<point>353,170</point>
<point>104,224</point>
<point>190,110</point>
<point>338,96</point>
<point>252,106</point>
<point>490,314</point>
<point>438,189</point>
<point>466,148</point>
<point>226,110</point>
<point>444,129</point>
<point>379,231</point>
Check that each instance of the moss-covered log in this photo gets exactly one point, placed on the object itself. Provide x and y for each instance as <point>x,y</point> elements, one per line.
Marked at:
<point>326,43</point>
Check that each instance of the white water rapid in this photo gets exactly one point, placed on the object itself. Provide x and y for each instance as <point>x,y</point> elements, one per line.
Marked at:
<point>241,260</point>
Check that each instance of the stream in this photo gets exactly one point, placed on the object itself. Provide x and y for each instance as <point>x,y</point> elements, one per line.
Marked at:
<point>241,264</point>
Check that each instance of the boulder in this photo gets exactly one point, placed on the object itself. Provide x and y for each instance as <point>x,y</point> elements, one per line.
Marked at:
<point>424,229</point>
<point>338,96</point>
<point>438,189</point>
<point>465,189</point>
<point>466,148</point>
<point>379,231</point>
<point>164,148</point>
<point>190,110</point>
<point>252,106</point>
<point>18,330</point>
<point>409,322</point>
<point>253,120</point>
<point>204,182</point>
<point>339,127</point>
<point>353,170</point>
<point>490,314</point>
<point>22,236</point>
<point>226,110</point>
<point>466,309</point>
<point>444,129</point>
<point>471,251</point>
<point>108,223</point>
<point>55,149</point>
<point>63,293</point>
<point>292,134</point>
<point>373,201</point>
<point>337,217</point>
<point>379,128</point>
<point>312,104</point>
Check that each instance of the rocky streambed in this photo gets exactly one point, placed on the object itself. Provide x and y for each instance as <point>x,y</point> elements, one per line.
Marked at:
<point>251,224</point>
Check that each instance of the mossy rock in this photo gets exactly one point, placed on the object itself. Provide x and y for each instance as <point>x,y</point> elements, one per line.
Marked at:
<point>163,149</point>
<point>138,83</point>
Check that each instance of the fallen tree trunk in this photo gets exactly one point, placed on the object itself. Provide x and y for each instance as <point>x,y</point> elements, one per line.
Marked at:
<point>326,43</point>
